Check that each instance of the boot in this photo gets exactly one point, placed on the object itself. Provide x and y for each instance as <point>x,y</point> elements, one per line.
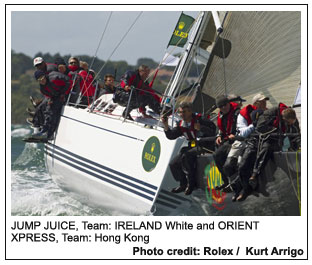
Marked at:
<point>189,189</point>
<point>30,112</point>
<point>128,116</point>
<point>178,189</point>
<point>30,121</point>
<point>253,181</point>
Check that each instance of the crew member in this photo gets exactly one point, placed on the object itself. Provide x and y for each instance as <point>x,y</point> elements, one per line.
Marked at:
<point>227,118</point>
<point>142,95</point>
<point>76,82</point>
<point>40,64</point>
<point>271,124</point>
<point>193,128</point>
<point>53,87</point>
<point>246,122</point>
<point>109,87</point>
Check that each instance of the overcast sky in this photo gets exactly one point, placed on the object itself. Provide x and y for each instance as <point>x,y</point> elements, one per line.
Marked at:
<point>79,32</point>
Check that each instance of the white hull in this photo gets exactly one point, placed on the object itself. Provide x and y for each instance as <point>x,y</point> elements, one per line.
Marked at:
<point>100,157</point>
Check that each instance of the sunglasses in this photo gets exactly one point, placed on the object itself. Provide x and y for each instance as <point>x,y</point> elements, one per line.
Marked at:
<point>73,63</point>
<point>38,64</point>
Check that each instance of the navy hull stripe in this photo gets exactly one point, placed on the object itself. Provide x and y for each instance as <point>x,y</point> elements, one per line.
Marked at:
<point>121,134</point>
<point>102,167</point>
<point>166,204</point>
<point>100,177</point>
<point>102,172</point>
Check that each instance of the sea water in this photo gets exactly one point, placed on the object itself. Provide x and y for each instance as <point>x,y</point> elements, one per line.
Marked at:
<point>33,191</point>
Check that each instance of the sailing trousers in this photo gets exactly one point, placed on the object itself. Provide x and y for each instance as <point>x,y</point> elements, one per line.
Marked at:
<point>246,164</point>
<point>220,157</point>
<point>137,100</point>
<point>264,154</point>
<point>183,167</point>
<point>52,115</point>
<point>38,119</point>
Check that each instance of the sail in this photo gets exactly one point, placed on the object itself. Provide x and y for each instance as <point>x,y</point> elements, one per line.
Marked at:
<point>264,56</point>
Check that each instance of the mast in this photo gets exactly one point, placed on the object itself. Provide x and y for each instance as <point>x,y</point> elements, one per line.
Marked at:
<point>186,59</point>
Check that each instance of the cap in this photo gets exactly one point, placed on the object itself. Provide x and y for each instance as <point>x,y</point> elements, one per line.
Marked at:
<point>259,97</point>
<point>233,98</point>
<point>38,73</point>
<point>221,100</point>
<point>38,60</point>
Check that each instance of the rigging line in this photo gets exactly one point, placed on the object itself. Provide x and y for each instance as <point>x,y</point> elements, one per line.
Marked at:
<point>223,53</point>
<point>173,48</point>
<point>107,22</point>
<point>223,61</point>
<point>118,45</point>
<point>90,67</point>
<point>191,90</point>
<point>290,177</point>
<point>298,184</point>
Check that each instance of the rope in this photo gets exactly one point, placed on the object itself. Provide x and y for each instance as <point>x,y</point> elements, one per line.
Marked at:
<point>117,46</point>
<point>297,170</point>
<point>223,62</point>
<point>110,15</point>
<point>290,177</point>
<point>84,80</point>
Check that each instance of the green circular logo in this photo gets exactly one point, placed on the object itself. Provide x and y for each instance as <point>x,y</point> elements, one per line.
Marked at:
<point>151,154</point>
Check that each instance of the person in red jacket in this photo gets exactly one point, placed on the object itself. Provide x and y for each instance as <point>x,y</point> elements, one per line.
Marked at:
<point>142,94</point>
<point>193,128</point>
<point>227,118</point>
<point>53,87</point>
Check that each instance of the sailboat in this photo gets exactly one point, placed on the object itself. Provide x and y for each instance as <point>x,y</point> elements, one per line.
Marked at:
<point>123,165</point>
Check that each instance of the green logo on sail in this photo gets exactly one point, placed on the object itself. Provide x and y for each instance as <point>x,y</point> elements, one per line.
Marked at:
<point>150,154</point>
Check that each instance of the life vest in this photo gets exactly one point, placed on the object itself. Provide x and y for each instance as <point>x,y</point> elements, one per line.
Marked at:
<point>190,132</point>
<point>50,67</point>
<point>133,79</point>
<point>276,122</point>
<point>57,84</point>
<point>230,115</point>
<point>86,87</point>
<point>74,80</point>
<point>246,111</point>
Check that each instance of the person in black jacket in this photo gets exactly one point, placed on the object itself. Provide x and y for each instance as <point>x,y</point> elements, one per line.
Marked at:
<point>53,86</point>
<point>109,87</point>
<point>193,128</point>
<point>270,126</point>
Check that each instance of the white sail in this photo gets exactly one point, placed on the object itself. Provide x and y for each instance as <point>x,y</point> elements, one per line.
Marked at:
<point>264,57</point>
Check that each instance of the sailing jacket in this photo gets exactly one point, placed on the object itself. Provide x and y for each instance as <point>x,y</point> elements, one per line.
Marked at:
<point>207,129</point>
<point>50,67</point>
<point>86,87</point>
<point>132,78</point>
<point>244,121</point>
<point>57,84</point>
<point>227,122</point>
<point>271,119</point>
